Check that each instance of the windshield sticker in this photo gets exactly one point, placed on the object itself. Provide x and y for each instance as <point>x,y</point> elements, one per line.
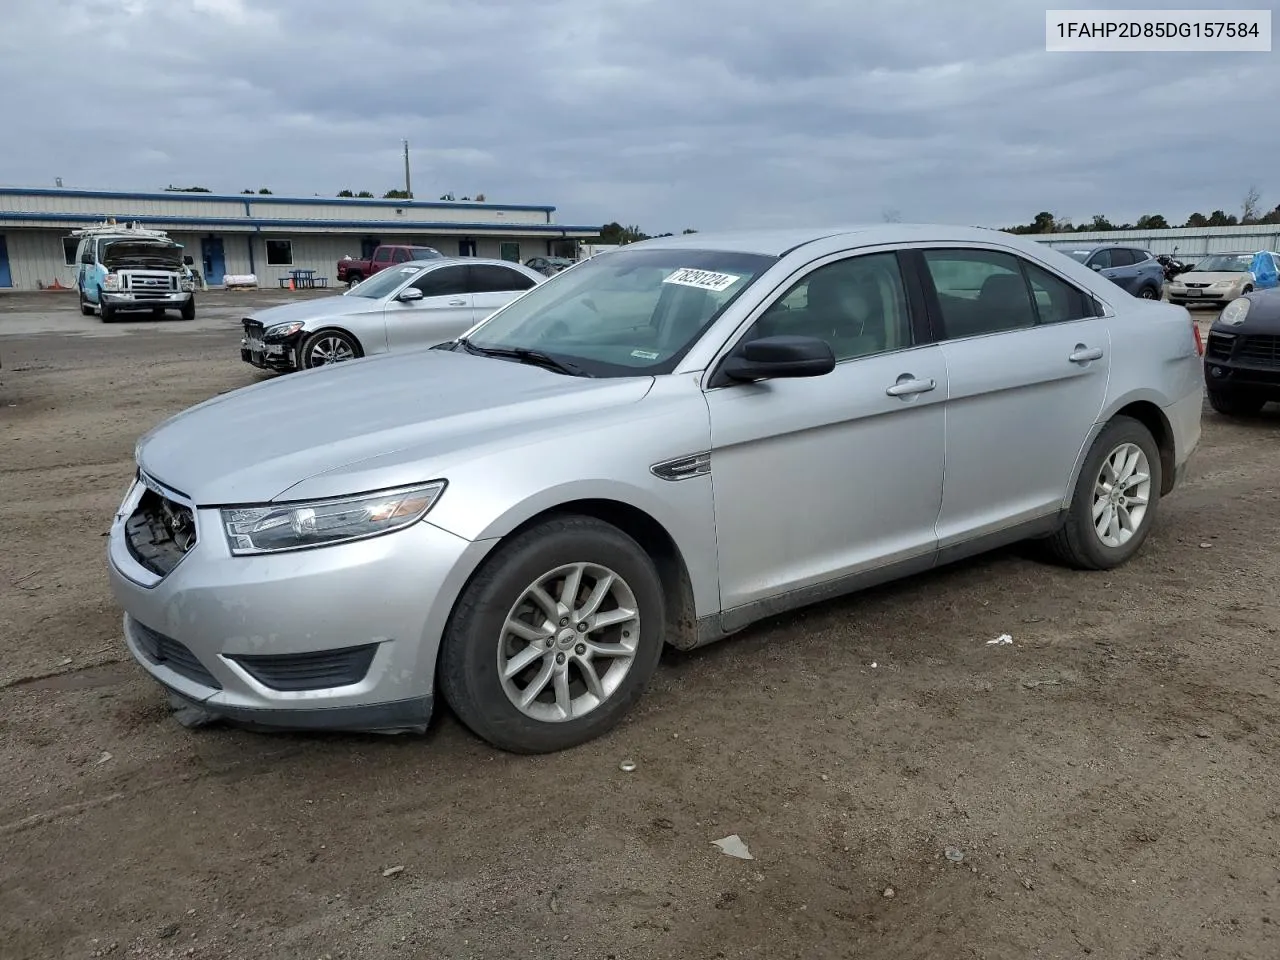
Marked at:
<point>644,354</point>
<point>702,279</point>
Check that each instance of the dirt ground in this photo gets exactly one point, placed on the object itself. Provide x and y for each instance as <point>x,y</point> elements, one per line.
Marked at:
<point>1110,778</point>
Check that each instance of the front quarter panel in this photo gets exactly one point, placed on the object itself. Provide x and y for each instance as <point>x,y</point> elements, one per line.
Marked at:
<point>608,456</point>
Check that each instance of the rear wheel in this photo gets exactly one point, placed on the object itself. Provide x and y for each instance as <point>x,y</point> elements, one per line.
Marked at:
<point>354,278</point>
<point>1235,404</point>
<point>1149,293</point>
<point>555,637</point>
<point>326,347</point>
<point>1115,499</point>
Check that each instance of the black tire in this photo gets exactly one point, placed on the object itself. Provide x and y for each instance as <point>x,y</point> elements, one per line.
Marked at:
<point>1233,403</point>
<point>188,311</point>
<point>1149,293</point>
<point>354,278</point>
<point>108,313</point>
<point>468,662</point>
<point>1077,543</point>
<point>86,308</point>
<point>305,360</point>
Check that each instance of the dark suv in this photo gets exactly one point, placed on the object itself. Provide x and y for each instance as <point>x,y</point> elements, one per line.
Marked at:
<point>1133,268</point>
<point>1242,359</point>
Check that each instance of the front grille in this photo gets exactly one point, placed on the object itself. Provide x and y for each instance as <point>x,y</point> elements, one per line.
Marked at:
<point>160,532</point>
<point>136,282</point>
<point>309,671</point>
<point>1219,347</point>
<point>252,328</point>
<point>1261,350</point>
<point>1197,286</point>
<point>160,649</point>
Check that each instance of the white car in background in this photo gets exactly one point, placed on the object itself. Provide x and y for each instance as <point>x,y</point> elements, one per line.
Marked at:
<point>412,305</point>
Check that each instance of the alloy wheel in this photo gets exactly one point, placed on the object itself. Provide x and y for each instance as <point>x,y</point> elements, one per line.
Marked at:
<point>1121,493</point>
<point>330,349</point>
<point>568,642</point>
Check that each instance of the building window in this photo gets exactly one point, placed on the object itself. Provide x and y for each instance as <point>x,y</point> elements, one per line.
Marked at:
<point>510,251</point>
<point>279,253</point>
<point>69,247</point>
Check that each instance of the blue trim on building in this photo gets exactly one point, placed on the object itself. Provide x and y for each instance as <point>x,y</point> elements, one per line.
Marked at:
<point>259,224</point>
<point>247,199</point>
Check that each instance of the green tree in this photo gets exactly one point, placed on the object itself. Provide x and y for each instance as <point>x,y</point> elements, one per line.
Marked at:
<point>1197,220</point>
<point>172,189</point>
<point>1220,218</point>
<point>688,230</point>
<point>1152,221</point>
<point>397,195</point>
<point>264,191</point>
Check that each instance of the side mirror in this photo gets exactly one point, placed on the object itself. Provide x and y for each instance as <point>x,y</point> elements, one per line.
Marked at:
<point>87,258</point>
<point>1096,266</point>
<point>409,295</point>
<point>189,261</point>
<point>776,357</point>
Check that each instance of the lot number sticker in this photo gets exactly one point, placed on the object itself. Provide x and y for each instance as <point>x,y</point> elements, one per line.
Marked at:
<point>702,279</point>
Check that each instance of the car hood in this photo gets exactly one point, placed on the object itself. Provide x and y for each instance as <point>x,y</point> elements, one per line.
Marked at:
<point>319,309</point>
<point>1211,277</point>
<point>376,422</point>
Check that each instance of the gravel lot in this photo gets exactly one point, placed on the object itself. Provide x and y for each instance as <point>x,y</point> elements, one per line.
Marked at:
<point>1110,777</point>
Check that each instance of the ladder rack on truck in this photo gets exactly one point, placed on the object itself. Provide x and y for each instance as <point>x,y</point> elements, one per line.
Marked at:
<point>111,228</point>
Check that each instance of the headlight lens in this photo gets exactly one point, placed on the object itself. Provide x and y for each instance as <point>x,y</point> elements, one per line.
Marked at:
<point>111,282</point>
<point>1235,312</point>
<point>283,329</point>
<point>1222,283</point>
<point>188,286</point>
<point>292,526</point>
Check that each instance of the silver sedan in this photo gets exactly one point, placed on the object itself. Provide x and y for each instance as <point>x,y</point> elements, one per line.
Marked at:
<point>414,304</point>
<point>660,445</point>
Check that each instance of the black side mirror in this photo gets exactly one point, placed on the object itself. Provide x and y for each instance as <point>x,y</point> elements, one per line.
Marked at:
<point>774,357</point>
<point>87,258</point>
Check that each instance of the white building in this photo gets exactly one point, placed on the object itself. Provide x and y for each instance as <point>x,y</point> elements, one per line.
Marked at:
<point>1190,242</point>
<point>266,235</point>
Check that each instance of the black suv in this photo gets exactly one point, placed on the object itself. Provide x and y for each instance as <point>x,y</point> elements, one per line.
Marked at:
<point>1242,358</point>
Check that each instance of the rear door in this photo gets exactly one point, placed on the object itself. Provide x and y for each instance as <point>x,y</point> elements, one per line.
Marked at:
<point>1027,358</point>
<point>444,312</point>
<point>494,286</point>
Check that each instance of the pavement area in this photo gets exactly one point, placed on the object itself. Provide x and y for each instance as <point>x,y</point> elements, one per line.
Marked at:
<point>1107,782</point>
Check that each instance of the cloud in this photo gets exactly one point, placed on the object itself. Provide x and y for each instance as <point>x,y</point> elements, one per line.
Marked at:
<point>662,113</point>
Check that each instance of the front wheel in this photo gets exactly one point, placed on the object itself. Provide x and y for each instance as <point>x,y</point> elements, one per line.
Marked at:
<point>1234,403</point>
<point>1115,499</point>
<point>188,311</point>
<point>107,312</point>
<point>86,308</point>
<point>326,347</point>
<point>555,638</point>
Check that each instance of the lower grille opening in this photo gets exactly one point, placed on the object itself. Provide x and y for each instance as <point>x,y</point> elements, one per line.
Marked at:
<point>160,532</point>
<point>160,649</point>
<point>309,671</point>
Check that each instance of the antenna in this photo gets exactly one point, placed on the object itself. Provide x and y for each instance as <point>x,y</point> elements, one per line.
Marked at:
<point>408,188</point>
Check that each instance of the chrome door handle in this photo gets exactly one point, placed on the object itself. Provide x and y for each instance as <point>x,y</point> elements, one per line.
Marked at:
<point>457,303</point>
<point>908,386</point>
<point>1084,354</point>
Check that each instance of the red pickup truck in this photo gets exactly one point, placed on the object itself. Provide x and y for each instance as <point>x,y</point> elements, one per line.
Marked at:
<point>386,255</point>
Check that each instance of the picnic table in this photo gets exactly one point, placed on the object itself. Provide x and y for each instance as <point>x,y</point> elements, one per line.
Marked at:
<point>303,278</point>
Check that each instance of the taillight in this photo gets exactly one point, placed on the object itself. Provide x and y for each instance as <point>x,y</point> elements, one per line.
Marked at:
<point>1195,327</point>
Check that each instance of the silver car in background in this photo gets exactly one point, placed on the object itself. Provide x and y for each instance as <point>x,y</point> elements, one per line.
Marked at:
<point>661,445</point>
<point>414,304</point>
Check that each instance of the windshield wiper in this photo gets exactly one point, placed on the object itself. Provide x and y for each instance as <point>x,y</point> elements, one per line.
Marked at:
<point>525,355</point>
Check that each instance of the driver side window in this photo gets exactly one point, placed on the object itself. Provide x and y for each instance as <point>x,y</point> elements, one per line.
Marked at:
<point>857,305</point>
<point>443,282</point>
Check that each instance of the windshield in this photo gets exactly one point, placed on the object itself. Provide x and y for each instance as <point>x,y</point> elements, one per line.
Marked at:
<point>1081,255</point>
<point>627,313</point>
<point>425,253</point>
<point>150,252</point>
<point>1225,263</point>
<point>383,282</point>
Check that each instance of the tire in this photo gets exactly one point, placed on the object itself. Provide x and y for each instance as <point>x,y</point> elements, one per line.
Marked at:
<point>354,278</point>
<point>1149,293</point>
<point>1233,403</point>
<point>338,345</point>
<point>476,638</point>
<point>86,308</point>
<point>107,313</point>
<point>188,311</point>
<point>1078,543</point>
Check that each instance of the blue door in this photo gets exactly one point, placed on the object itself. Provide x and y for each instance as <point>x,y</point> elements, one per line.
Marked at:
<point>5,279</point>
<point>215,261</point>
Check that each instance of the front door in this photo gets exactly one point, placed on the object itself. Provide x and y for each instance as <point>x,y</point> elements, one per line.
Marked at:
<point>443,313</point>
<point>828,477</point>
<point>6,279</point>
<point>493,286</point>
<point>215,260</point>
<point>1027,364</point>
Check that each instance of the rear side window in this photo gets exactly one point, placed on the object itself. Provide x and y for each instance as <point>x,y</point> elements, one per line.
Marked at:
<point>1102,259</point>
<point>402,256</point>
<point>488,278</point>
<point>1121,257</point>
<point>443,282</point>
<point>1141,256</point>
<point>979,292</point>
<point>1056,300</point>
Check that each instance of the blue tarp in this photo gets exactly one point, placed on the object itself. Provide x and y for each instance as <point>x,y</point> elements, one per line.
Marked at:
<point>1264,270</point>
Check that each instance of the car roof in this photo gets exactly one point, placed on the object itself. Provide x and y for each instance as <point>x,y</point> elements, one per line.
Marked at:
<point>776,242</point>
<point>448,261</point>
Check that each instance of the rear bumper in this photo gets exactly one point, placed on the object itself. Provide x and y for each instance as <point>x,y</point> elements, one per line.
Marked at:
<point>1184,418</point>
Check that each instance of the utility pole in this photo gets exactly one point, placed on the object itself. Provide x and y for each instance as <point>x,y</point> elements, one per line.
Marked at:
<point>408,189</point>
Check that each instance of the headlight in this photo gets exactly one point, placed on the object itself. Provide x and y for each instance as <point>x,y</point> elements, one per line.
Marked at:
<point>283,329</point>
<point>188,286</point>
<point>111,282</point>
<point>1235,312</point>
<point>292,526</point>
<point>1222,283</point>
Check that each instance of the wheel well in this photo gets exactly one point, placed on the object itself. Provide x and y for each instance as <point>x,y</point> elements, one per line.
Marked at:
<point>682,620</point>
<point>1151,417</point>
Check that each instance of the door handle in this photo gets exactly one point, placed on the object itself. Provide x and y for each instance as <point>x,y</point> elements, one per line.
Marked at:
<point>457,303</point>
<point>908,386</point>
<point>1084,354</point>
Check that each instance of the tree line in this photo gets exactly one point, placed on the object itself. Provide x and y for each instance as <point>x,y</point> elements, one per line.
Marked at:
<point>1250,213</point>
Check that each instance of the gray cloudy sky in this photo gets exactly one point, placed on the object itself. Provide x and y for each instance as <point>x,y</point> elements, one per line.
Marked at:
<point>663,113</point>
